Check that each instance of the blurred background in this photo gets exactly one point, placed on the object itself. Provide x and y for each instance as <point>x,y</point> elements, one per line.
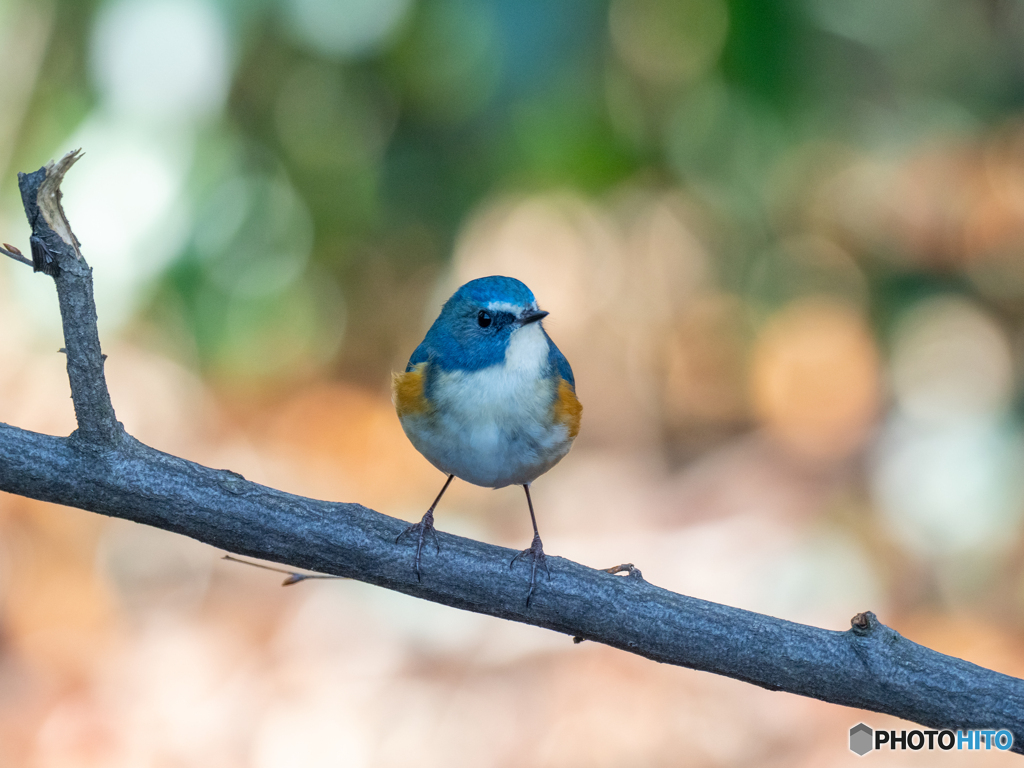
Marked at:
<point>781,243</point>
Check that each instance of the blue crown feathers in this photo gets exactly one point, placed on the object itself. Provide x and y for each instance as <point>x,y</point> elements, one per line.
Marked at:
<point>484,290</point>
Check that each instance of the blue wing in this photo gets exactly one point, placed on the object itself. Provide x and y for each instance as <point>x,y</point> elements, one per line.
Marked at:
<point>557,359</point>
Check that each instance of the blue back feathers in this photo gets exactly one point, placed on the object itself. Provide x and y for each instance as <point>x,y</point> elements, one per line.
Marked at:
<point>457,342</point>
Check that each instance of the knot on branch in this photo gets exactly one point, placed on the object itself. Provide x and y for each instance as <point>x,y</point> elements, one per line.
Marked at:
<point>864,623</point>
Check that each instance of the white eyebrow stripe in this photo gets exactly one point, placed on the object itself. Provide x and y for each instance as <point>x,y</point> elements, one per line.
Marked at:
<point>505,306</point>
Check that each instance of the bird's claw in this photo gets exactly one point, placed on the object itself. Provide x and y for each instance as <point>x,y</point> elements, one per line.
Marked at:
<point>539,560</point>
<point>422,529</point>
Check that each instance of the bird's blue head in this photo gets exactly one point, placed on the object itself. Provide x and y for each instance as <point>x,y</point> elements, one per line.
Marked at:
<point>477,322</point>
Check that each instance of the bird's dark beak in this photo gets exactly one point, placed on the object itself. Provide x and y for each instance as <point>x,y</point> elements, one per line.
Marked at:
<point>531,317</point>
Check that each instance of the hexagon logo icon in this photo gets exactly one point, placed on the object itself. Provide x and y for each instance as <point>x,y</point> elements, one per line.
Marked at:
<point>862,739</point>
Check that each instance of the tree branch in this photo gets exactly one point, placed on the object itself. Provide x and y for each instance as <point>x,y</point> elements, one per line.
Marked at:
<point>55,251</point>
<point>101,469</point>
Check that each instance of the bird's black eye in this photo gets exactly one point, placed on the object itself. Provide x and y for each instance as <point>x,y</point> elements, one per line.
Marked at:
<point>483,319</point>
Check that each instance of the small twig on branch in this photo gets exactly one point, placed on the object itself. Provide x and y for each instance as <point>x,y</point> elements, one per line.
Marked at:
<point>102,469</point>
<point>629,569</point>
<point>294,577</point>
<point>14,253</point>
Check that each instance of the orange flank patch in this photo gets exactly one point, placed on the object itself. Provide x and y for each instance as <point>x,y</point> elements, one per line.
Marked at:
<point>568,408</point>
<point>407,391</point>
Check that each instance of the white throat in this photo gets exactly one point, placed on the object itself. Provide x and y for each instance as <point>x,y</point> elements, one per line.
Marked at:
<point>527,350</point>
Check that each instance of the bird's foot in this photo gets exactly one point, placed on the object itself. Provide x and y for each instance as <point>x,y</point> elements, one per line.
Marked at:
<point>535,552</point>
<point>421,530</point>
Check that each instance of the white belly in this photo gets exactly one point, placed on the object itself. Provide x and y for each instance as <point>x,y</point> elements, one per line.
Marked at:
<point>494,427</point>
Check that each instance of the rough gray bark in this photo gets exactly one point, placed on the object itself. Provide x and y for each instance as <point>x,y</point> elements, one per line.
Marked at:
<point>101,469</point>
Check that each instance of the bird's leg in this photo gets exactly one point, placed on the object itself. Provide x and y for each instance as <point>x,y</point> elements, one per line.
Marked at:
<point>425,527</point>
<point>535,551</point>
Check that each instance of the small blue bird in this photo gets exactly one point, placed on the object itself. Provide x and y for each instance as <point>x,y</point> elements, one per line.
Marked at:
<point>488,398</point>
